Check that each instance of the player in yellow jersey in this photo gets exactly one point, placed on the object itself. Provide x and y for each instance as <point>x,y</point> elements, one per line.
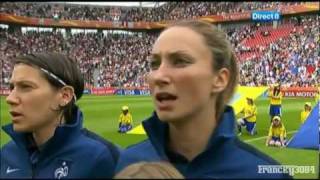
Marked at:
<point>249,119</point>
<point>305,112</point>
<point>125,120</point>
<point>317,96</point>
<point>277,133</point>
<point>275,96</point>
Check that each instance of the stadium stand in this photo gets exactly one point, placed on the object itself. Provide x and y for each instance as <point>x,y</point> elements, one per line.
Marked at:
<point>168,11</point>
<point>266,55</point>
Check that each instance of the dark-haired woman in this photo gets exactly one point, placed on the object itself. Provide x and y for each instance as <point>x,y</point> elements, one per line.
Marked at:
<point>46,129</point>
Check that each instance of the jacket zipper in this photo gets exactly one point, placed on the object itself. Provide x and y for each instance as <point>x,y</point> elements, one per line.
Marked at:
<point>33,166</point>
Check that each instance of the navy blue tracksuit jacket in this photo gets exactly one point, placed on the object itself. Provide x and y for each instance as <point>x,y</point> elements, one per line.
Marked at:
<point>225,156</point>
<point>73,152</point>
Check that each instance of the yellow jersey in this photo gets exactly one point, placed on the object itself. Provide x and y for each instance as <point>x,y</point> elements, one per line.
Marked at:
<point>125,119</point>
<point>317,95</point>
<point>304,114</point>
<point>279,131</point>
<point>250,110</point>
<point>275,99</point>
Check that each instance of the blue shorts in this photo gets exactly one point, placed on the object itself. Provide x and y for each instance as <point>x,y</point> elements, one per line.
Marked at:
<point>275,110</point>
<point>250,126</point>
<point>125,128</point>
<point>275,139</point>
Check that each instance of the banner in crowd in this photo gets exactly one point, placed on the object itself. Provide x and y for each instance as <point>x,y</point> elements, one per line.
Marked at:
<point>284,10</point>
<point>126,92</point>
<point>299,92</point>
<point>119,91</point>
<point>287,92</point>
<point>51,22</point>
<point>4,92</point>
<point>103,91</point>
<point>87,91</point>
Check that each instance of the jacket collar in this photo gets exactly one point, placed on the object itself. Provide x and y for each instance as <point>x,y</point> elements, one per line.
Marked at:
<point>56,141</point>
<point>157,131</point>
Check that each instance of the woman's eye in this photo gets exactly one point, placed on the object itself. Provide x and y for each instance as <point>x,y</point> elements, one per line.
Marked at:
<point>11,87</point>
<point>154,64</point>
<point>25,86</point>
<point>180,62</point>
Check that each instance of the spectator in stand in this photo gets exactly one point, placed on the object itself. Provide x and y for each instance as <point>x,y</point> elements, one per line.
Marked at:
<point>168,11</point>
<point>119,60</point>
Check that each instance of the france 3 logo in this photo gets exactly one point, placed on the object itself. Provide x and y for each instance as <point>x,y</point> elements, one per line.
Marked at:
<point>265,16</point>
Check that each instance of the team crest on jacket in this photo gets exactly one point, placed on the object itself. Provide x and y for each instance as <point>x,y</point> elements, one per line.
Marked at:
<point>62,171</point>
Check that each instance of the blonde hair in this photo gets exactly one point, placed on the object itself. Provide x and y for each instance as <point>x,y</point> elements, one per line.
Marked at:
<point>223,57</point>
<point>149,170</point>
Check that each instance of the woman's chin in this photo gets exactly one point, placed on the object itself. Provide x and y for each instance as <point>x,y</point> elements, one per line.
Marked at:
<point>169,117</point>
<point>18,128</point>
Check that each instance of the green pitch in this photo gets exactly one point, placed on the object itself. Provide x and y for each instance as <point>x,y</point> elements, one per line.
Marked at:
<point>101,116</point>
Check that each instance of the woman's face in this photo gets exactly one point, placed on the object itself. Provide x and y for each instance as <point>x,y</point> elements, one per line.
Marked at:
<point>181,74</point>
<point>31,99</point>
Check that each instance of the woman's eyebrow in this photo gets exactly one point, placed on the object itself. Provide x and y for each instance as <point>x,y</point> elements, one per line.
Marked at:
<point>21,82</point>
<point>179,54</point>
<point>156,55</point>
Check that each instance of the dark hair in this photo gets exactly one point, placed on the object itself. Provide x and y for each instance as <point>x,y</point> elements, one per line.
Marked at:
<point>222,53</point>
<point>64,68</point>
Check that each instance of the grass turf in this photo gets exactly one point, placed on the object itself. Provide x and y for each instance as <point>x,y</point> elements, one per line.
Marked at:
<point>101,116</point>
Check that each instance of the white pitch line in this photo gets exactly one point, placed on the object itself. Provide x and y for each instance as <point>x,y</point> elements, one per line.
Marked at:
<point>264,137</point>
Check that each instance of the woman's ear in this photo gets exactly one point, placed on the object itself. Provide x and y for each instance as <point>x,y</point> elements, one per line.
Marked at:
<point>220,80</point>
<point>66,95</point>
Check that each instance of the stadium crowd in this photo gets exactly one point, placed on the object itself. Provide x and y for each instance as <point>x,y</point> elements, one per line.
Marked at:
<point>168,11</point>
<point>121,60</point>
<point>293,60</point>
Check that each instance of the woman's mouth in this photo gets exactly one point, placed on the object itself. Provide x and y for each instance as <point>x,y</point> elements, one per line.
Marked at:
<point>165,100</point>
<point>15,115</point>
